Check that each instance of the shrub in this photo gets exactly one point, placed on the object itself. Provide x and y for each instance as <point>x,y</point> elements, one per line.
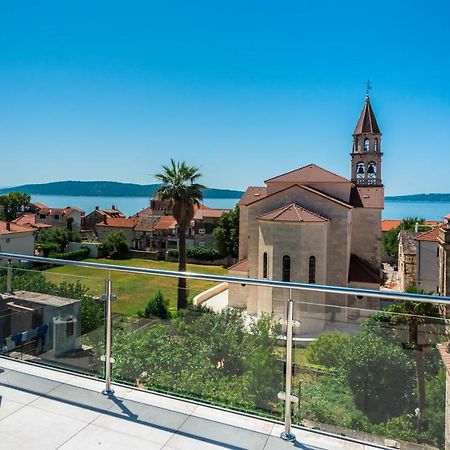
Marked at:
<point>199,253</point>
<point>158,306</point>
<point>59,236</point>
<point>115,245</point>
<point>49,247</point>
<point>327,349</point>
<point>74,255</point>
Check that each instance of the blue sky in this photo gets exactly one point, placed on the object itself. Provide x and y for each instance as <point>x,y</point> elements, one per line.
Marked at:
<point>243,89</point>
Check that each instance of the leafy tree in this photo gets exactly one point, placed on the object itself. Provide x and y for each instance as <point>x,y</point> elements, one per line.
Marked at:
<point>226,235</point>
<point>69,223</point>
<point>158,306</point>
<point>11,204</point>
<point>380,375</point>
<point>115,245</point>
<point>180,188</point>
<point>327,349</point>
<point>390,239</point>
<point>58,236</point>
<point>419,326</point>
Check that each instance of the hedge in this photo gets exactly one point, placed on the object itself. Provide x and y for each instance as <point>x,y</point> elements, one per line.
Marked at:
<point>200,253</point>
<point>48,247</point>
<point>75,255</point>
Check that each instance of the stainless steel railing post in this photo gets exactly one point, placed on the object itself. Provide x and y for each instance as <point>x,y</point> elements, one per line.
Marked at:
<point>287,434</point>
<point>107,357</point>
<point>9,274</point>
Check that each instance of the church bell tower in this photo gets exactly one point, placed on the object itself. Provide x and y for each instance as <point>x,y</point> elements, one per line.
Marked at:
<point>366,153</point>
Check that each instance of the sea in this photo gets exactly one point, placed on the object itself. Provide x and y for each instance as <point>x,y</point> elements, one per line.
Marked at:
<point>130,205</point>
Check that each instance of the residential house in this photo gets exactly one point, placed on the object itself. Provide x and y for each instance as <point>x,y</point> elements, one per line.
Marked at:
<point>16,239</point>
<point>311,225</point>
<point>29,220</point>
<point>427,261</point>
<point>93,218</point>
<point>57,217</point>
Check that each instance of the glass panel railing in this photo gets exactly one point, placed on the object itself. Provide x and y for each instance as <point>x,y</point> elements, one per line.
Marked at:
<point>53,318</point>
<point>207,352</point>
<point>371,374</point>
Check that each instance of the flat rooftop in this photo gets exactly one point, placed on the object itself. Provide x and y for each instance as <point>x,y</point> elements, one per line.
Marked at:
<point>41,408</point>
<point>36,297</point>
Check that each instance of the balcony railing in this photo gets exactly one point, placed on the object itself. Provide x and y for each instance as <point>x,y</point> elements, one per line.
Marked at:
<point>323,356</point>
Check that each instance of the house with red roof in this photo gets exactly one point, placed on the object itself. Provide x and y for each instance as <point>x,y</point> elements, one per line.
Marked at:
<point>58,217</point>
<point>94,217</point>
<point>310,225</point>
<point>16,238</point>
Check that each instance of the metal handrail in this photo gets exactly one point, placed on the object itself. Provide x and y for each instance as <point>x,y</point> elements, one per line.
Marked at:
<point>391,295</point>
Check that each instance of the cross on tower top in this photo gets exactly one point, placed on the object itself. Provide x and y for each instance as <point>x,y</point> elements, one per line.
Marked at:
<point>368,87</point>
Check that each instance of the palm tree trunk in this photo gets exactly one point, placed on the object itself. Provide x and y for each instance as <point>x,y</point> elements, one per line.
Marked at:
<point>182,292</point>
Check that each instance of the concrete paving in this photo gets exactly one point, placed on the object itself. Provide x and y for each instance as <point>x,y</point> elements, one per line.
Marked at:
<point>46,409</point>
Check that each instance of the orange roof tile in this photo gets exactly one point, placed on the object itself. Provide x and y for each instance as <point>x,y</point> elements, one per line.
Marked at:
<point>118,222</point>
<point>13,228</point>
<point>213,213</point>
<point>166,223</point>
<point>30,221</point>
<point>252,194</point>
<point>308,174</point>
<point>292,213</point>
<point>431,236</point>
<point>388,225</point>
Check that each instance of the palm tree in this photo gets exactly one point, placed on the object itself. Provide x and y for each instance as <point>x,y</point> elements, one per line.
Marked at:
<point>180,189</point>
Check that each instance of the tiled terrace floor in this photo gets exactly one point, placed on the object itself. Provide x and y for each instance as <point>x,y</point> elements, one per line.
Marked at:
<point>47,409</point>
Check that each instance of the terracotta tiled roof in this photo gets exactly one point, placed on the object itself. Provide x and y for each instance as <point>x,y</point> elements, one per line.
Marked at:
<point>59,211</point>
<point>38,205</point>
<point>166,223</point>
<point>360,272</point>
<point>367,122</point>
<point>29,220</point>
<point>252,194</point>
<point>145,224</point>
<point>213,213</point>
<point>306,188</point>
<point>13,228</point>
<point>367,197</point>
<point>118,222</point>
<point>241,266</point>
<point>431,235</point>
<point>308,174</point>
<point>292,213</point>
<point>146,212</point>
<point>388,225</point>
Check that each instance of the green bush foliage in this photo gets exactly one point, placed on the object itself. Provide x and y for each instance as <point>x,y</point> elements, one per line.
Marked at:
<point>226,234</point>
<point>158,306</point>
<point>74,255</point>
<point>199,253</point>
<point>327,349</point>
<point>58,236</point>
<point>115,245</point>
<point>48,247</point>
<point>205,355</point>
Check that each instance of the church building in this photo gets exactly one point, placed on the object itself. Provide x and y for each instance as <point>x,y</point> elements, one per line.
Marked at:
<point>311,225</point>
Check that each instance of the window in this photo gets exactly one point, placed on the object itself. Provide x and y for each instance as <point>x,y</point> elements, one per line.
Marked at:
<point>312,270</point>
<point>286,272</point>
<point>360,170</point>
<point>371,170</point>
<point>8,240</point>
<point>41,216</point>
<point>56,217</point>
<point>376,144</point>
<point>265,265</point>
<point>366,144</point>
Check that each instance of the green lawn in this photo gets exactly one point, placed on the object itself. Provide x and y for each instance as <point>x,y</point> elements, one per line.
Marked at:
<point>134,290</point>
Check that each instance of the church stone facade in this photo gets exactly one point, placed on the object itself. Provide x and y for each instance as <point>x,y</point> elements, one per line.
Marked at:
<point>313,226</point>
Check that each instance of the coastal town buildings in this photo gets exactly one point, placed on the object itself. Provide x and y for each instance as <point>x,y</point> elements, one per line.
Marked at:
<point>96,216</point>
<point>313,226</point>
<point>16,238</point>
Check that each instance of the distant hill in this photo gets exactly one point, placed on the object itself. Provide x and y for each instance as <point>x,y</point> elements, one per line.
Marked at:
<point>444,198</point>
<point>106,189</point>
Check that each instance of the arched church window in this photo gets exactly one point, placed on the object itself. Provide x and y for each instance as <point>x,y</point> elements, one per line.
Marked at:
<point>265,265</point>
<point>312,270</point>
<point>286,272</point>
<point>371,170</point>
<point>366,144</point>
<point>376,144</point>
<point>360,170</point>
